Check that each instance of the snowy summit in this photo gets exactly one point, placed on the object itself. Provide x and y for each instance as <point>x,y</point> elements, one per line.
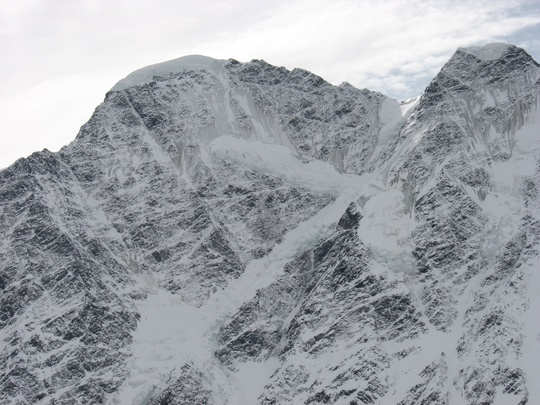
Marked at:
<point>147,73</point>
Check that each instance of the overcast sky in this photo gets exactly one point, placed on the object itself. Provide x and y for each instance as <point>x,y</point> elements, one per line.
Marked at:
<point>60,57</point>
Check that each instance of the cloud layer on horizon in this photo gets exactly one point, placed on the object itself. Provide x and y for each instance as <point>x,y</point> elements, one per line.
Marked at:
<point>59,58</point>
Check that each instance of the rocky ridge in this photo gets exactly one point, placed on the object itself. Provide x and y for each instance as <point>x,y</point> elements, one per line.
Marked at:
<point>226,232</point>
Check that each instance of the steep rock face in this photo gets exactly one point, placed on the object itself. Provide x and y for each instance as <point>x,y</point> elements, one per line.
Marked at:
<point>64,325</point>
<point>139,202</point>
<point>225,232</point>
<point>334,309</point>
<point>448,168</point>
<point>469,159</point>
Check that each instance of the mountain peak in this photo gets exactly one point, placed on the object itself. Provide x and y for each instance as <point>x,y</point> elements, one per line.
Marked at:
<point>238,233</point>
<point>189,62</point>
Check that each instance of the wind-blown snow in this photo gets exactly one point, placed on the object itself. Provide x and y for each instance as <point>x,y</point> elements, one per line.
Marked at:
<point>386,227</point>
<point>390,117</point>
<point>254,377</point>
<point>169,331</point>
<point>277,160</point>
<point>487,52</point>
<point>408,105</point>
<point>146,74</point>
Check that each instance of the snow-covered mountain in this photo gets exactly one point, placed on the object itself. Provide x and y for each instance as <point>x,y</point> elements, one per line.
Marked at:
<point>237,233</point>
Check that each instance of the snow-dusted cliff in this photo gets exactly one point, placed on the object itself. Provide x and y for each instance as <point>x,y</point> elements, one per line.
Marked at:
<point>236,233</point>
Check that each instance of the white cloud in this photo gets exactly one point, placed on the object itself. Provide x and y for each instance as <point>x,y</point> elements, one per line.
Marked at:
<point>46,116</point>
<point>394,46</point>
<point>361,41</point>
